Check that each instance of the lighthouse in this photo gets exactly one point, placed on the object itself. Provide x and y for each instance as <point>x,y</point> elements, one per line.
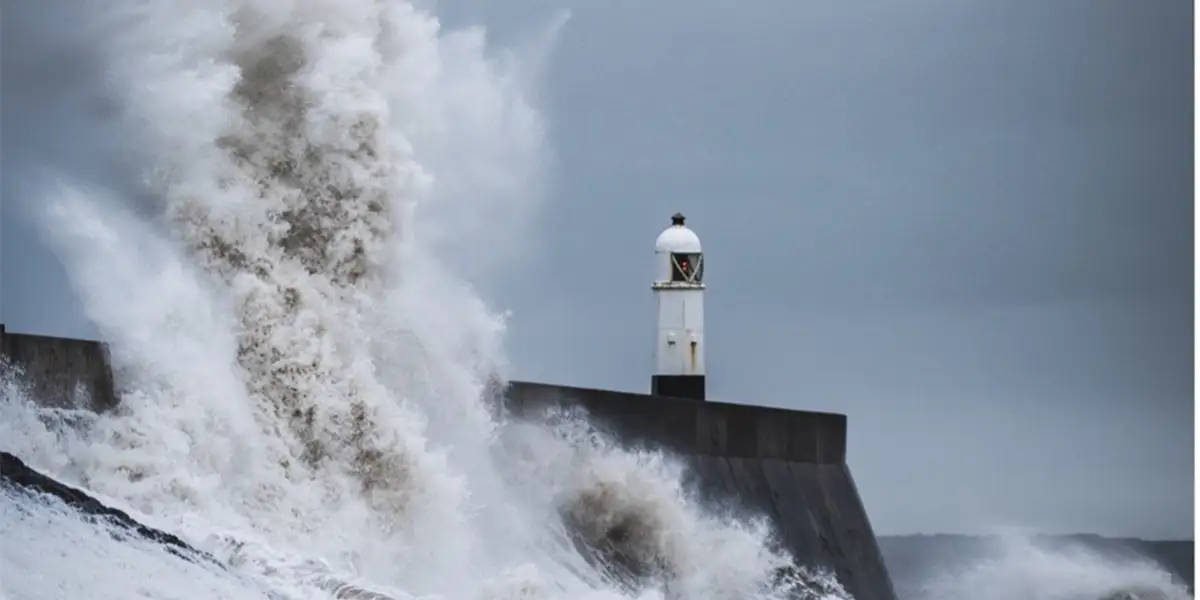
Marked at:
<point>679,292</point>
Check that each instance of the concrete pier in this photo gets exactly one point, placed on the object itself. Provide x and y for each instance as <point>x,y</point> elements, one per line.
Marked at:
<point>788,466</point>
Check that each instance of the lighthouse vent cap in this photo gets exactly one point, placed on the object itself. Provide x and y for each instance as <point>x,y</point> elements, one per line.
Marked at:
<point>678,238</point>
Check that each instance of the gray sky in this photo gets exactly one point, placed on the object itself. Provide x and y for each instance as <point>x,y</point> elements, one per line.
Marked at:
<point>967,225</point>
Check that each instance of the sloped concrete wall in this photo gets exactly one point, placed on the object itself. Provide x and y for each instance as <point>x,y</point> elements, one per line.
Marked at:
<point>789,466</point>
<point>60,372</point>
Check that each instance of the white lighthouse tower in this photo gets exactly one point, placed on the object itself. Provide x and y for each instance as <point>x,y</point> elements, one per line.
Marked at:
<point>679,290</point>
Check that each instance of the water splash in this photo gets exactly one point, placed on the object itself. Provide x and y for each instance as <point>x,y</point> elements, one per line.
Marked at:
<point>302,376</point>
<point>1018,566</point>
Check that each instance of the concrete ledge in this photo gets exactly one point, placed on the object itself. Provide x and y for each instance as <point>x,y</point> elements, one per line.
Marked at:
<point>694,426</point>
<point>60,372</point>
<point>14,472</point>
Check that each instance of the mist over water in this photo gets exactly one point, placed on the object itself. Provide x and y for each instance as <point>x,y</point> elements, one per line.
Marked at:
<point>269,227</point>
<point>1018,566</point>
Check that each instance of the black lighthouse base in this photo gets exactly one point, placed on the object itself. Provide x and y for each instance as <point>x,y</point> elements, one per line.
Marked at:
<point>678,386</point>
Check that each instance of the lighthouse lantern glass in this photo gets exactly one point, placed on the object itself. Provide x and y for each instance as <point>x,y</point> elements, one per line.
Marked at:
<point>687,267</point>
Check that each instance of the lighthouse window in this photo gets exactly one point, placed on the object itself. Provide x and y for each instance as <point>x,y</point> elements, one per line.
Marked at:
<point>687,268</point>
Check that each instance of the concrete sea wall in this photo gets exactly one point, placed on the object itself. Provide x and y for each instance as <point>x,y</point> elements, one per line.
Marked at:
<point>788,466</point>
<point>60,372</point>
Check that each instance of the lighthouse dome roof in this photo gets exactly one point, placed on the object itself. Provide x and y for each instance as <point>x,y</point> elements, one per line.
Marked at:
<point>678,238</point>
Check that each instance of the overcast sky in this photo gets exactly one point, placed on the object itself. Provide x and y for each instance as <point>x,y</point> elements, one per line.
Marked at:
<point>967,225</point>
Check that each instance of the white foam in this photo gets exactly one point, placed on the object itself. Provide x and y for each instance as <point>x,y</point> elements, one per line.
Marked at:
<point>1018,566</point>
<point>101,564</point>
<point>301,372</point>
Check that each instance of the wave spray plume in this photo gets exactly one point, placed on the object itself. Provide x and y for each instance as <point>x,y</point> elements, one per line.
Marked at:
<point>303,378</point>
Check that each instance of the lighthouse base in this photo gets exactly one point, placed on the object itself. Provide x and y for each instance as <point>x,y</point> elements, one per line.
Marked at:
<point>678,386</point>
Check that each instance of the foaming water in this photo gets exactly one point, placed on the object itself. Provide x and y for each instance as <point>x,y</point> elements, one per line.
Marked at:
<point>131,568</point>
<point>303,380</point>
<point>1021,567</point>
